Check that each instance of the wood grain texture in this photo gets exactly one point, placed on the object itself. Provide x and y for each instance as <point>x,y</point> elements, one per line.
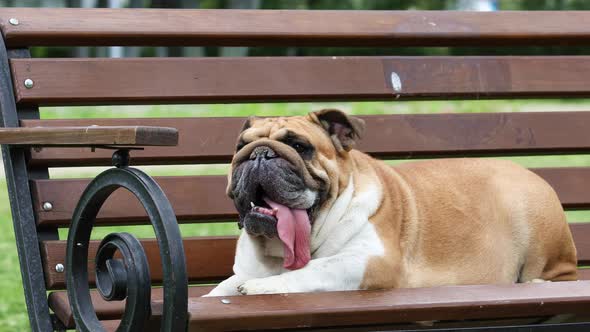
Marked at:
<point>90,136</point>
<point>208,259</point>
<point>142,27</point>
<point>388,306</point>
<point>405,136</point>
<point>265,79</point>
<point>203,198</point>
<point>581,234</point>
<point>193,198</point>
<point>568,182</point>
<point>584,274</point>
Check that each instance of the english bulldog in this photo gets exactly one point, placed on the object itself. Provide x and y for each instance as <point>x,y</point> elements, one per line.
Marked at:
<point>318,215</point>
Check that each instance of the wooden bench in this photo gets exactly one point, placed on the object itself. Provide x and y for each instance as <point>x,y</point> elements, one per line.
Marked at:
<point>40,205</point>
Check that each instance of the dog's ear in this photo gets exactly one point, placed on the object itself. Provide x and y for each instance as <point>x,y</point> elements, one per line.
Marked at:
<point>344,130</point>
<point>247,124</point>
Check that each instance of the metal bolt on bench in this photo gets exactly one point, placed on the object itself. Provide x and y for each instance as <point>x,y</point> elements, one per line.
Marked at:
<point>47,206</point>
<point>29,83</point>
<point>59,268</point>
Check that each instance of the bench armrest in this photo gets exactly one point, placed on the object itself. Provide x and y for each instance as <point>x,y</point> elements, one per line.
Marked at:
<point>90,136</point>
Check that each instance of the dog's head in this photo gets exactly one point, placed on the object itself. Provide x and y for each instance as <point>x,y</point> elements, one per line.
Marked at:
<point>285,168</point>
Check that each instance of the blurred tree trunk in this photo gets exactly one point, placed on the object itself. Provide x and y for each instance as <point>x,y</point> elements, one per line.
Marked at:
<point>477,5</point>
<point>101,51</point>
<point>239,4</point>
<point>115,51</point>
<point>192,50</point>
<point>81,51</point>
<point>133,51</point>
<point>177,50</point>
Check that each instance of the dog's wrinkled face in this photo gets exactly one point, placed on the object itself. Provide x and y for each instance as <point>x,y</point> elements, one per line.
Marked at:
<point>283,169</point>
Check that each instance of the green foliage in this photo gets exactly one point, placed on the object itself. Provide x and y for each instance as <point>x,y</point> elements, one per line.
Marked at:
<point>13,313</point>
<point>549,4</point>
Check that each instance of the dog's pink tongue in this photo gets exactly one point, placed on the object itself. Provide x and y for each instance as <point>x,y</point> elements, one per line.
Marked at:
<point>294,231</point>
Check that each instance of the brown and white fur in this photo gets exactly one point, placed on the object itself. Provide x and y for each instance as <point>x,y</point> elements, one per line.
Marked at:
<point>419,224</point>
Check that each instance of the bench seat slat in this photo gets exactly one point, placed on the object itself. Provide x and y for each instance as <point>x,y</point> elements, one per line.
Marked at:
<point>382,307</point>
<point>53,27</point>
<point>361,307</point>
<point>217,263</point>
<point>203,198</point>
<point>264,79</point>
<point>212,140</point>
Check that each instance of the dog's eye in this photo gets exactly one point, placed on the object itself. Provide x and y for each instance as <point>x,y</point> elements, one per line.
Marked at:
<point>299,147</point>
<point>240,145</point>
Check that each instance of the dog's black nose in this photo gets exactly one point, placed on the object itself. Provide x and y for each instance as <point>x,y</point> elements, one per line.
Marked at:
<point>262,152</point>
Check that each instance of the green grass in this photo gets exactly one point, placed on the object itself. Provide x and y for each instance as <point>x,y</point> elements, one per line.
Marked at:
<point>13,315</point>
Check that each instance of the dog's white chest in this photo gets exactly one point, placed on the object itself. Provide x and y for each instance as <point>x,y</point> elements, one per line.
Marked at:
<point>273,248</point>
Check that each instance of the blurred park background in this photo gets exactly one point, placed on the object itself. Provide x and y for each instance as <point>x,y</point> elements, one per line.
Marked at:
<point>13,315</point>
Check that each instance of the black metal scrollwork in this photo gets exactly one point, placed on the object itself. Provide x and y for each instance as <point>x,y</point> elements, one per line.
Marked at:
<point>127,278</point>
<point>117,279</point>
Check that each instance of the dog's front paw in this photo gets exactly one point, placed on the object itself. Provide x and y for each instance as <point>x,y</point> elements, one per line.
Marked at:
<point>270,285</point>
<point>221,292</point>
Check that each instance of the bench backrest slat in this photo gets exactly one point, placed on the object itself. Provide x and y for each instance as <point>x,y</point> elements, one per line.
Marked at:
<point>262,79</point>
<point>49,26</point>
<point>213,140</point>
<point>217,263</point>
<point>208,259</point>
<point>202,198</point>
